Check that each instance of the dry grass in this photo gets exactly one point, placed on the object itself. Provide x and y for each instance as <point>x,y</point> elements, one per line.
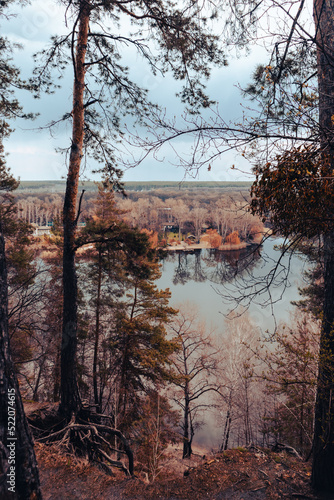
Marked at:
<point>234,474</point>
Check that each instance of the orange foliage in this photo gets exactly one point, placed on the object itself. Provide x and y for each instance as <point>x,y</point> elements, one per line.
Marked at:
<point>233,238</point>
<point>213,238</point>
<point>152,237</point>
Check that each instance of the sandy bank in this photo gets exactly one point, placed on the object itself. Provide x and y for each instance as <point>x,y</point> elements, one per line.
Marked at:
<point>197,246</point>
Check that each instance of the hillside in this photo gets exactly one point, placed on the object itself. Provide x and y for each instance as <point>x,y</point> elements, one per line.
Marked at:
<point>234,474</point>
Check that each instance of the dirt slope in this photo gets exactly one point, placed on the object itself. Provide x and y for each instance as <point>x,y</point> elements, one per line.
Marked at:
<point>235,474</point>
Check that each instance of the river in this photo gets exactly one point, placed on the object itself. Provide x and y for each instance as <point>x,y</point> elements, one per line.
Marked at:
<point>217,282</point>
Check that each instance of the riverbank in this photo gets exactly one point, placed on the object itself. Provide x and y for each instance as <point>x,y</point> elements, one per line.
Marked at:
<point>184,247</point>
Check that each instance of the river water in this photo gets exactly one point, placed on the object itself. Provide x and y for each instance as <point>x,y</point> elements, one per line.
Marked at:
<point>218,282</point>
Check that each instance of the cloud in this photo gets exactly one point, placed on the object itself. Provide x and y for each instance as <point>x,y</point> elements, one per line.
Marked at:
<point>35,22</point>
<point>33,27</point>
<point>30,150</point>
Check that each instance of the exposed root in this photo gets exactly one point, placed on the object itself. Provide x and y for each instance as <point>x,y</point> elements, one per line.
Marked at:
<point>287,448</point>
<point>90,439</point>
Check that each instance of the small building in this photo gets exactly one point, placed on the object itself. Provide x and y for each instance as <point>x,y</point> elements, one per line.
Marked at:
<point>40,230</point>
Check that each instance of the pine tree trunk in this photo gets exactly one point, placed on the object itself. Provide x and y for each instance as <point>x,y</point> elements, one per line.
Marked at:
<point>56,377</point>
<point>69,392</point>
<point>18,467</point>
<point>97,398</point>
<point>323,444</point>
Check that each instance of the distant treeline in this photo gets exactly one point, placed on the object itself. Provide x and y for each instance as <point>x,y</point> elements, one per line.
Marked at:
<point>59,186</point>
<point>138,186</point>
<point>161,210</point>
<point>41,202</point>
<point>52,186</point>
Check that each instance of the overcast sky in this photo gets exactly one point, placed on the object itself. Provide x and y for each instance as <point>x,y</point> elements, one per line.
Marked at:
<point>32,151</point>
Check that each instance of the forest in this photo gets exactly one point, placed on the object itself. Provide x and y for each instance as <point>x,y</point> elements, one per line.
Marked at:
<point>96,367</point>
<point>218,215</point>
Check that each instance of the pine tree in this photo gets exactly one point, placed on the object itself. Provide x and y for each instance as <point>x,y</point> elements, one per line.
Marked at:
<point>18,466</point>
<point>142,350</point>
<point>14,431</point>
<point>130,312</point>
<point>291,375</point>
<point>102,93</point>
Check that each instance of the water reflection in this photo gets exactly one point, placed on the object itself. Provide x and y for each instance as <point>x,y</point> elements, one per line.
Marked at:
<point>214,265</point>
<point>261,278</point>
<point>181,273</point>
<point>258,278</point>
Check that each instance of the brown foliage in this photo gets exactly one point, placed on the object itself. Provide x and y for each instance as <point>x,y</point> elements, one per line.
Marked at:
<point>152,237</point>
<point>233,474</point>
<point>213,238</point>
<point>256,232</point>
<point>295,193</point>
<point>233,238</point>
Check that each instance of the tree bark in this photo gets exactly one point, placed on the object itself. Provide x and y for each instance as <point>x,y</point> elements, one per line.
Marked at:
<point>69,392</point>
<point>323,444</point>
<point>18,466</point>
<point>187,451</point>
<point>97,396</point>
<point>226,435</point>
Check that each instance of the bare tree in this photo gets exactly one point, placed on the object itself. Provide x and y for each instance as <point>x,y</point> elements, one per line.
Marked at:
<point>198,216</point>
<point>195,364</point>
<point>240,398</point>
<point>290,373</point>
<point>180,212</point>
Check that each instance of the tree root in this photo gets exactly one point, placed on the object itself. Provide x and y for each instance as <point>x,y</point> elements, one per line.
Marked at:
<point>289,449</point>
<point>89,439</point>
